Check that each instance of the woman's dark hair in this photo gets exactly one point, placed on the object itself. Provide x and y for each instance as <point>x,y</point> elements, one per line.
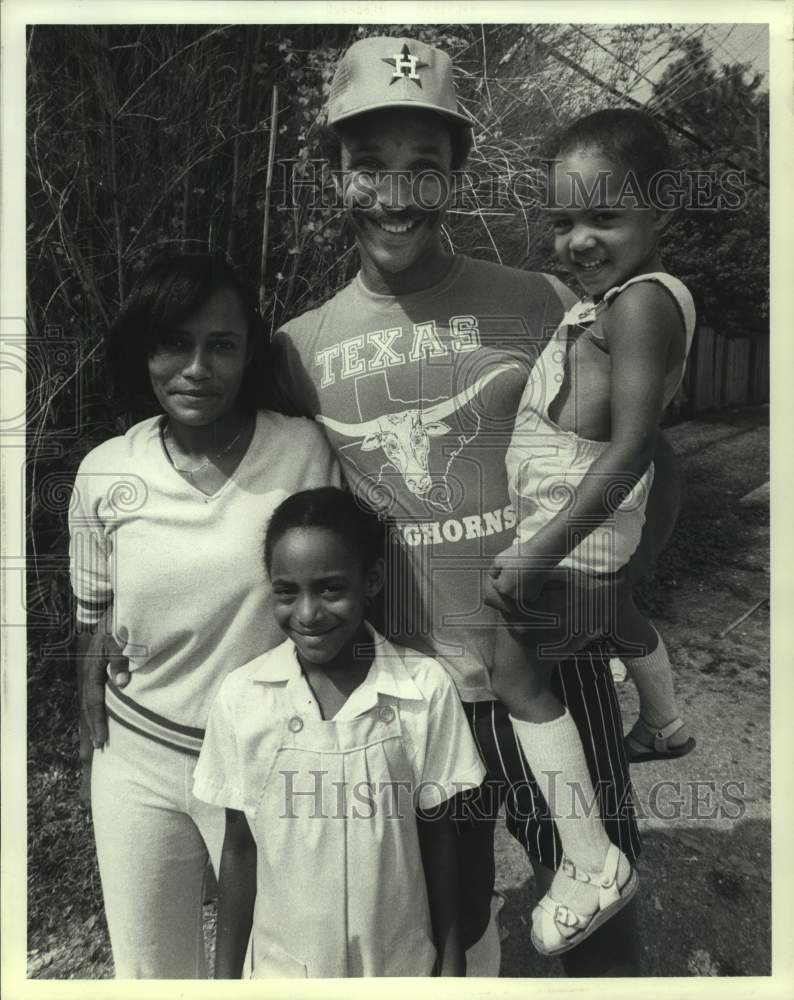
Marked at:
<point>628,137</point>
<point>330,137</point>
<point>335,509</point>
<point>167,292</point>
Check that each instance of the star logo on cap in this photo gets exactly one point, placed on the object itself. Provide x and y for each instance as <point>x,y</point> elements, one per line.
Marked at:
<point>405,65</point>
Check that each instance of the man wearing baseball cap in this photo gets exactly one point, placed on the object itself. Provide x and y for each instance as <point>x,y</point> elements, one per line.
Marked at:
<point>416,369</point>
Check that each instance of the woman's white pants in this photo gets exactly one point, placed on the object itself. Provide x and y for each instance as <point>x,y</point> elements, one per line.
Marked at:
<point>152,839</point>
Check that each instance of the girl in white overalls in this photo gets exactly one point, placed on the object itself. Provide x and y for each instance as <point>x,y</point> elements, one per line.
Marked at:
<point>580,468</point>
<point>335,755</point>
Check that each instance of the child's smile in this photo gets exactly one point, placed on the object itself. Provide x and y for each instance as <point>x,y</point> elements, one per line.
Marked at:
<point>601,233</point>
<point>320,593</point>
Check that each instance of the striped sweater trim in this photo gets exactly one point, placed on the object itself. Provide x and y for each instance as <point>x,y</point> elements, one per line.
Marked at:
<point>90,612</point>
<point>147,723</point>
<point>150,736</point>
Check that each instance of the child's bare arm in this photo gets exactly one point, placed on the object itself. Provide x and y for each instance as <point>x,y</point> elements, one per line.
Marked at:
<point>640,328</point>
<point>236,895</point>
<point>439,859</point>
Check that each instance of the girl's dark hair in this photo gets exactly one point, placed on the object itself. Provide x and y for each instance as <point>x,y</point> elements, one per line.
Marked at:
<point>330,138</point>
<point>631,138</point>
<point>335,509</point>
<point>167,291</point>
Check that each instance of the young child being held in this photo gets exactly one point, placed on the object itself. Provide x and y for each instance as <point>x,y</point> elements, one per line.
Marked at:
<point>334,755</point>
<point>580,469</point>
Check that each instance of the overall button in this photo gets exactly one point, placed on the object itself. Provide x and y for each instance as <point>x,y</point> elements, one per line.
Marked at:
<point>386,713</point>
<point>295,724</point>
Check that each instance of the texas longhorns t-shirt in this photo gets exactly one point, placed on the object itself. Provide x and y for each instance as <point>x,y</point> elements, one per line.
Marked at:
<point>418,395</point>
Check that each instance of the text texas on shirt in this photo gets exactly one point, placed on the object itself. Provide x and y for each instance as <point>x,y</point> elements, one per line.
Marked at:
<point>419,396</point>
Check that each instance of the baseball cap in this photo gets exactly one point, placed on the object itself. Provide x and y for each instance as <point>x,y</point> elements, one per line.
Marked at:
<point>387,72</point>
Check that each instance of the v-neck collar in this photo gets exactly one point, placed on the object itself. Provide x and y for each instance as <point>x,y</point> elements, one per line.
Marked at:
<point>186,482</point>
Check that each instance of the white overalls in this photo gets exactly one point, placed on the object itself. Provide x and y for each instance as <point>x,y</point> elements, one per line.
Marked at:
<point>545,463</point>
<point>341,895</point>
<point>331,804</point>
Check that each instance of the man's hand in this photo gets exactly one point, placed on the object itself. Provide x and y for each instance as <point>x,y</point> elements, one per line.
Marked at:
<point>100,653</point>
<point>96,652</point>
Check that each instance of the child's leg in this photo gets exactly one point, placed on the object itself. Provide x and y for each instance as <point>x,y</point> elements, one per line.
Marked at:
<point>553,748</point>
<point>652,674</point>
<point>522,678</point>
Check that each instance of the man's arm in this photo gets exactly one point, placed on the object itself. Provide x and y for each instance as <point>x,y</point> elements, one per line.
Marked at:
<point>236,896</point>
<point>439,859</point>
<point>290,390</point>
<point>96,651</point>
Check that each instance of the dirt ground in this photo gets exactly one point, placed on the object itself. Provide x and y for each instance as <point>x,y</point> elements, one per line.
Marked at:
<point>704,900</point>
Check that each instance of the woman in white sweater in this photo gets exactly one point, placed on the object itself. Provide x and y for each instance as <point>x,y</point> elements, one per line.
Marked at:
<point>166,529</point>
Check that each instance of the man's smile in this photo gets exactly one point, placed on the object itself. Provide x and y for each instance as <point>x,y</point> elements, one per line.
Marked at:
<point>394,226</point>
<point>397,227</point>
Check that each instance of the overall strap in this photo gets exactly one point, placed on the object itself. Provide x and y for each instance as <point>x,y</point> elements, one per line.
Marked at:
<point>675,287</point>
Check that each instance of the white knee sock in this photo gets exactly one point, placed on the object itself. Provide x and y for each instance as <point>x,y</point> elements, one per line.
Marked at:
<point>653,678</point>
<point>556,757</point>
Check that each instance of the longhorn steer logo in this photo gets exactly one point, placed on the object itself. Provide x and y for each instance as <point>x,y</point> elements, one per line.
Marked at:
<point>405,436</point>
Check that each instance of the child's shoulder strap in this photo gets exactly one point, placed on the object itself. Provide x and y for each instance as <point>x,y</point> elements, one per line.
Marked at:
<point>676,288</point>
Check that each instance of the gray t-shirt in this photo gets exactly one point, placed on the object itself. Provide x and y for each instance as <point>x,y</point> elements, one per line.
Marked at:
<point>418,394</point>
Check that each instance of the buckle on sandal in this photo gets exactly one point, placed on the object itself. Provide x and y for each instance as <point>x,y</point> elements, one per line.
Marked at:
<point>570,869</point>
<point>564,916</point>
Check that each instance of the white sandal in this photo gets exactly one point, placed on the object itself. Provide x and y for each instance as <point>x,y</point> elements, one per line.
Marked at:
<point>549,915</point>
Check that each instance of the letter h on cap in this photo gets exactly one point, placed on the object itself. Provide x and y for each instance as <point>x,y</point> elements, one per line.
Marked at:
<point>367,73</point>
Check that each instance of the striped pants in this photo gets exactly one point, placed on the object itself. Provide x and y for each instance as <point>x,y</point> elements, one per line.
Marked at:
<point>585,686</point>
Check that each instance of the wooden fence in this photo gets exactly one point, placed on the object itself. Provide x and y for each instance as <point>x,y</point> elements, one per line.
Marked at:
<point>722,372</point>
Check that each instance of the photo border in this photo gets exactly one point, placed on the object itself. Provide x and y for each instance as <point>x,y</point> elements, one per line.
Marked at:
<point>16,14</point>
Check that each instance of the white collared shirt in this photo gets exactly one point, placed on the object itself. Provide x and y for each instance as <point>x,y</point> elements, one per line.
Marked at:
<point>247,716</point>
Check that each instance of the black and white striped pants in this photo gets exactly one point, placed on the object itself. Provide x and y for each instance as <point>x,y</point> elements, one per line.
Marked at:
<point>585,685</point>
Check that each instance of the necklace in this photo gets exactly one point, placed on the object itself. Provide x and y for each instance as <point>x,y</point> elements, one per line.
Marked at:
<point>208,459</point>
